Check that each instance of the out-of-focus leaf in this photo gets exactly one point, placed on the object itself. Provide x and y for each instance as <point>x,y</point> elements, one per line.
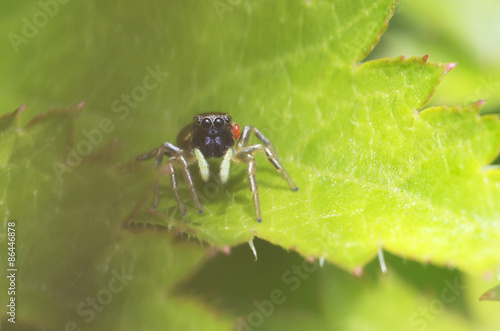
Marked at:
<point>77,267</point>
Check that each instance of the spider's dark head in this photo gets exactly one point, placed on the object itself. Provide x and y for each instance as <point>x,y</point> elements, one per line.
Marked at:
<point>212,134</point>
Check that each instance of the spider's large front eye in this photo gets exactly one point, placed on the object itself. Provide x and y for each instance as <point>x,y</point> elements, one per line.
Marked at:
<point>218,123</point>
<point>206,123</point>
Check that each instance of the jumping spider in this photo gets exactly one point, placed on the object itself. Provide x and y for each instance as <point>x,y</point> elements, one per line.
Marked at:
<point>213,135</point>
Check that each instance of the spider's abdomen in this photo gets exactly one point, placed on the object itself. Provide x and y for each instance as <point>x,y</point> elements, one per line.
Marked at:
<point>213,142</point>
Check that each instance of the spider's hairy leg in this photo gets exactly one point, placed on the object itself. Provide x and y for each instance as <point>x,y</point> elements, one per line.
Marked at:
<point>167,149</point>
<point>268,148</point>
<point>202,164</point>
<point>150,155</point>
<point>173,183</point>
<point>242,157</point>
<point>158,154</point>
<point>183,165</point>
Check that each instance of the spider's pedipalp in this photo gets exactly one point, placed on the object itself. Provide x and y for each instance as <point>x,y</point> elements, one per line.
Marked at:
<point>202,164</point>
<point>225,165</point>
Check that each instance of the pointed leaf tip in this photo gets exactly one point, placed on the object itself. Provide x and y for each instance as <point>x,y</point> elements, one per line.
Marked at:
<point>480,103</point>
<point>449,66</point>
<point>357,271</point>
<point>80,106</point>
<point>491,295</point>
<point>15,113</point>
<point>21,108</point>
<point>226,250</point>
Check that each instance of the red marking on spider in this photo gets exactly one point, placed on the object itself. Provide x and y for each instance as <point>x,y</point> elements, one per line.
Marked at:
<point>236,131</point>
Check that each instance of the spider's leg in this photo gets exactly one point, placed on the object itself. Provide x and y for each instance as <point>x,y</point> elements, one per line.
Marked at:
<point>156,192</point>
<point>173,182</point>
<point>268,148</point>
<point>150,155</point>
<point>250,160</point>
<point>165,149</point>
<point>183,165</point>
<point>245,139</point>
<point>158,153</point>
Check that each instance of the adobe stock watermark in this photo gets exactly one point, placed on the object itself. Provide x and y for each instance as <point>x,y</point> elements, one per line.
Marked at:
<point>89,308</point>
<point>428,314</point>
<point>121,107</point>
<point>32,25</point>
<point>222,6</point>
<point>293,278</point>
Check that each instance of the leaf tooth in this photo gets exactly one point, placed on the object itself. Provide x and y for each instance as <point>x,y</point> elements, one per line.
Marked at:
<point>12,118</point>
<point>357,271</point>
<point>80,106</point>
<point>403,58</point>
<point>16,112</point>
<point>478,104</point>
<point>492,294</point>
<point>449,66</point>
<point>226,249</point>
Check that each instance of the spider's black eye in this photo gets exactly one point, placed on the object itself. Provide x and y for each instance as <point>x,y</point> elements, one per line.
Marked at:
<point>206,123</point>
<point>227,119</point>
<point>218,123</point>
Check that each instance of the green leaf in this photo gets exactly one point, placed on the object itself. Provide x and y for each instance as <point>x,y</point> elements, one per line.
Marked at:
<point>444,36</point>
<point>373,170</point>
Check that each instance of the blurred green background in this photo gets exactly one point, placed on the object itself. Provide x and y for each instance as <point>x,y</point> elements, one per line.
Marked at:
<point>410,296</point>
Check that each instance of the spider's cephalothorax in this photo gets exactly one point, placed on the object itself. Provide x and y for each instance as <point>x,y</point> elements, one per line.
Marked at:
<point>214,135</point>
